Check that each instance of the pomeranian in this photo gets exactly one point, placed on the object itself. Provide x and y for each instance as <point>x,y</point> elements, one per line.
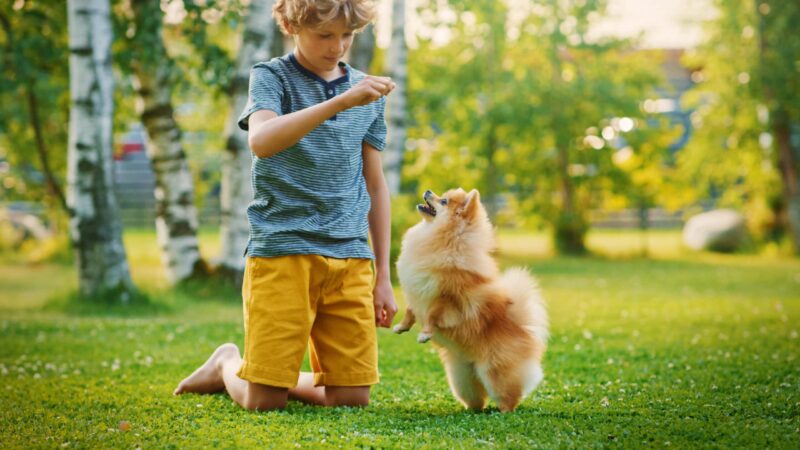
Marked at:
<point>490,329</point>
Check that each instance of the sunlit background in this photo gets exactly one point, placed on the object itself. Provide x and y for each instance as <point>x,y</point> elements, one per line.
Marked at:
<point>640,158</point>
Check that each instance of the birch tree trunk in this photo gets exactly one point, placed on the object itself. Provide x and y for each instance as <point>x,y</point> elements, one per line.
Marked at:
<point>257,45</point>
<point>363,49</point>
<point>176,214</point>
<point>398,70</point>
<point>95,226</point>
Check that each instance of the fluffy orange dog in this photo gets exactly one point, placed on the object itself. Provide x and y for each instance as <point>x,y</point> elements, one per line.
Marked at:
<point>490,329</point>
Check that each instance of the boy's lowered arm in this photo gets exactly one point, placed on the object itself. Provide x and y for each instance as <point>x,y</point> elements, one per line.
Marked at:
<point>380,234</point>
<point>270,133</point>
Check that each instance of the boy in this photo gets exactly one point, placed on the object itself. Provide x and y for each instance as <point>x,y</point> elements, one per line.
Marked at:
<point>315,126</point>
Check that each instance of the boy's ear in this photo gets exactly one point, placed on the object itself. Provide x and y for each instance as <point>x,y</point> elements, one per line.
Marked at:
<point>287,26</point>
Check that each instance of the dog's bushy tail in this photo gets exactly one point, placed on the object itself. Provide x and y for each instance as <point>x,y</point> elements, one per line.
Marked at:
<point>527,305</point>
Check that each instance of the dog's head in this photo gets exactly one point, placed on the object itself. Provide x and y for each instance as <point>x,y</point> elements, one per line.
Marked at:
<point>454,207</point>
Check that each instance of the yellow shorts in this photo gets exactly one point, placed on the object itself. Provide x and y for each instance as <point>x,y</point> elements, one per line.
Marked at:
<point>289,299</point>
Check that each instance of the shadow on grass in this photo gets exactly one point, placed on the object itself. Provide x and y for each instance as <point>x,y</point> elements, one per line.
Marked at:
<point>137,305</point>
<point>149,303</point>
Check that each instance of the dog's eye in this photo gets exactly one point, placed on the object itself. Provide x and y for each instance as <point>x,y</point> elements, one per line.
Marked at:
<point>443,201</point>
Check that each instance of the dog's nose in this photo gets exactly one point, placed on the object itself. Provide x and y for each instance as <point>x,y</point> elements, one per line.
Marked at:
<point>428,192</point>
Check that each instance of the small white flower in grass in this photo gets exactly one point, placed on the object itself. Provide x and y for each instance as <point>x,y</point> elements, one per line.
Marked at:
<point>199,405</point>
<point>36,376</point>
<point>610,361</point>
<point>170,337</point>
<point>793,334</point>
<point>587,335</point>
<point>604,402</point>
<point>577,347</point>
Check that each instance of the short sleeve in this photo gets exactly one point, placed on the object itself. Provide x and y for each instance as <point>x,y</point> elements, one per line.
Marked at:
<point>376,134</point>
<point>265,92</point>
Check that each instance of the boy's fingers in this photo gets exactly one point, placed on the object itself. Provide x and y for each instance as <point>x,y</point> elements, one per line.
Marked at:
<point>380,79</point>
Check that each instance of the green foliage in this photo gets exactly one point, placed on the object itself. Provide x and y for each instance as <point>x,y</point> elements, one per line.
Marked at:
<point>200,40</point>
<point>680,352</point>
<point>33,70</point>
<point>506,104</point>
<point>749,89</point>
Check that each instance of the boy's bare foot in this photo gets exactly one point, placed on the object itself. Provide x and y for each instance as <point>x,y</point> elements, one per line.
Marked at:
<point>207,378</point>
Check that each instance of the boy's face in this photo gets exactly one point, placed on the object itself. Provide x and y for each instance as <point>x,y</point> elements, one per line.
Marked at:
<point>323,47</point>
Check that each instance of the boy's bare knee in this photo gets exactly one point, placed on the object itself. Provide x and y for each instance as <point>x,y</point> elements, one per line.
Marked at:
<point>264,398</point>
<point>347,396</point>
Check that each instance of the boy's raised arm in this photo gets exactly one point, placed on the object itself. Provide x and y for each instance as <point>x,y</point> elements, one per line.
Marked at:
<point>269,133</point>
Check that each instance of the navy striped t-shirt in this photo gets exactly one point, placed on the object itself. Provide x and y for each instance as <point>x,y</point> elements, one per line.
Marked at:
<point>311,198</point>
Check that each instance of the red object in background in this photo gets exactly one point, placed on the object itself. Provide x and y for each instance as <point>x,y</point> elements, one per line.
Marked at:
<point>128,147</point>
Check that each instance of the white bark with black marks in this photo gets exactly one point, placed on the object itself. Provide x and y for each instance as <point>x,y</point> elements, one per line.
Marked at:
<point>95,226</point>
<point>260,33</point>
<point>176,214</point>
<point>397,68</point>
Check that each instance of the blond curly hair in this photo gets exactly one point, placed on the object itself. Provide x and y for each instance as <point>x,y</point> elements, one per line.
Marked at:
<point>318,13</point>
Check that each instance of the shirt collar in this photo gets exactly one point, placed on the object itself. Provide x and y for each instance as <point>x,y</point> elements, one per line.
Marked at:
<point>344,78</point>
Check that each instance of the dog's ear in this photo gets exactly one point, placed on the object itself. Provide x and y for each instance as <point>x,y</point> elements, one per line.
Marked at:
<point>471,202</point>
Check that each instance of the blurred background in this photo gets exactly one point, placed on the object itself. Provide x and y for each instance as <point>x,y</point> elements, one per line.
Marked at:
<point>620,128</point>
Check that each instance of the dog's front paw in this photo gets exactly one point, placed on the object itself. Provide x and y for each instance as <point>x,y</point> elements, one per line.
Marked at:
<point>400,328</point>
<point>424,337</point>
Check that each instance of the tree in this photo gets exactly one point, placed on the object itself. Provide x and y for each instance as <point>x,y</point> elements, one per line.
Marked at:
<point>153,72</point>
<point>397,68</point>
<point>258,37</point>
<point>748,109</point>
<point>510,98</point>
<point>363,49</point>
<point>34,92</point>
<point>96,230</point>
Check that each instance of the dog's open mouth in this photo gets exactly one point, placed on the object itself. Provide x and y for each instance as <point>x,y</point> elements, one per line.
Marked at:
<point>427,208</point>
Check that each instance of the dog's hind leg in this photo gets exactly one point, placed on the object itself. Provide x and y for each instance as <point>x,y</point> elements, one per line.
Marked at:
<point>505,385</point>
<point>464,382</point>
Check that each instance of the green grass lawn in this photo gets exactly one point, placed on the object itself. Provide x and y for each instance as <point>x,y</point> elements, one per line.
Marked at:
<point>680,350</point>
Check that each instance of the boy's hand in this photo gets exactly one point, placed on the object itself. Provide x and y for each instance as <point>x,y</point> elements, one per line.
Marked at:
<point>385,306</point>
<point>367,91</point>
